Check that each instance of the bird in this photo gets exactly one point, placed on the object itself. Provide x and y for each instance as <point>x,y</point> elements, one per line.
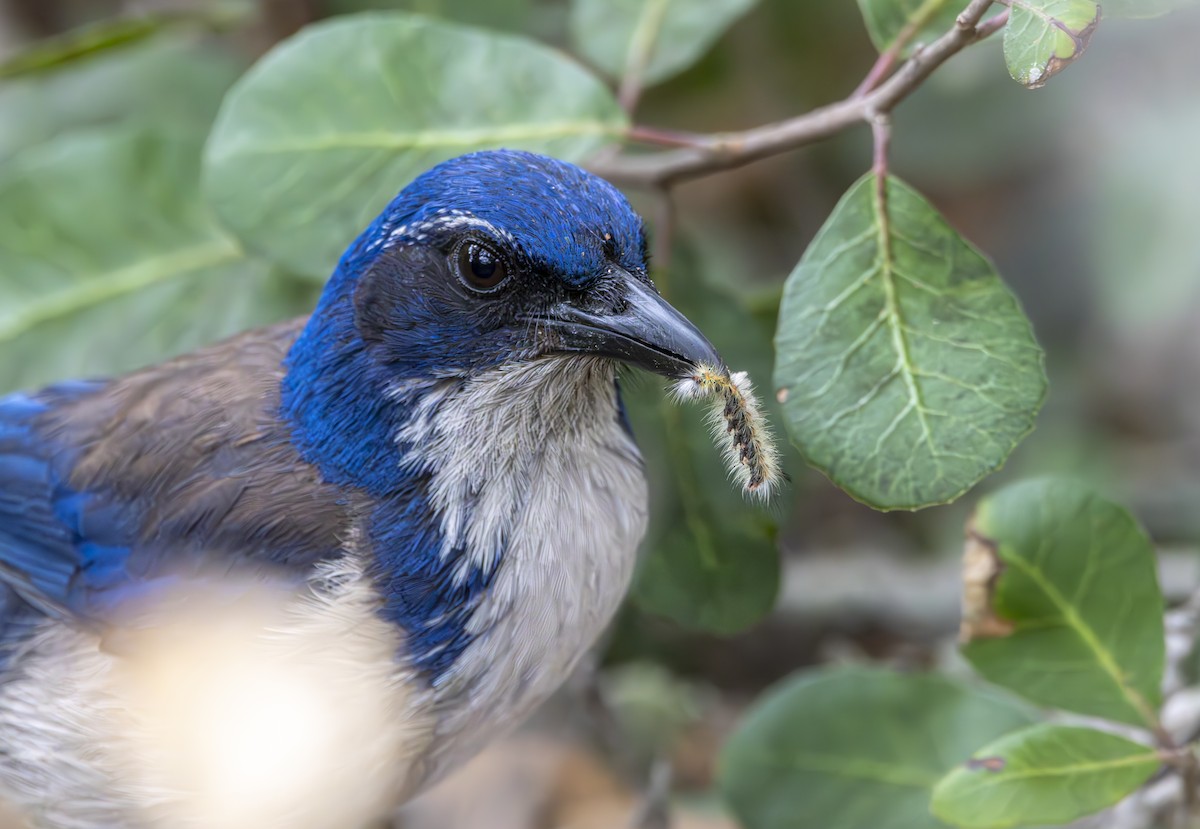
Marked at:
<point>424,501</point>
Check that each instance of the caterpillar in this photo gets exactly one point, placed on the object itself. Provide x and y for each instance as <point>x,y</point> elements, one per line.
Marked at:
<point>737,421</point>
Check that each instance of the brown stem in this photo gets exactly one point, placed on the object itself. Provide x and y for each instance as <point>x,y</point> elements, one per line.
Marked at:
<point>992,25</point>
<point>723,151</point>
<point>1183,627</point>
<point>879,70</point>
<point>1190,780</point>
<point>889,58</point>
<point>881,131</point>
<point>664,233</point>
<point>664,137</point>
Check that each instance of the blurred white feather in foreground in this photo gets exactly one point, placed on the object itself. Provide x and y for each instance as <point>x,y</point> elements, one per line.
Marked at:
<point>231,704</point>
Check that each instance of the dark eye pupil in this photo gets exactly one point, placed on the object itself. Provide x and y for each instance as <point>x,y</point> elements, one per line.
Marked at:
<point>480,265</point>
<point>483,265</point>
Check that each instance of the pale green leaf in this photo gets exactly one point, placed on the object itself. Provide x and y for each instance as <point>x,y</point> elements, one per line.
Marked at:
<point>853,748</point>
<point>1046,774</point>
<point>709,573</point>
<point>111,33</point>
<point>916,21</point>
<point>907,369</point>
<point>653,38</point>
<point>165,82</point>
<point>1077,588</point>
<point>1043,36</point>
<point>509,15</point>
<point>109,260</point>
<point>324,131</point>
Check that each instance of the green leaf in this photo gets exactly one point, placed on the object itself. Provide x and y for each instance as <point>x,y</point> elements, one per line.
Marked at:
<point>1043,36</point>
<point>1074,599</point>
<point>331,124</point>
<point>652,38</point>
<point>109,260</point>
<point>711,561</point>
<point>509,15</point>
<point>710,572</point>
<point>112,33</point>
<point>1043,774</point>
<point>915,21</point>
<point>907,369</point>
<point>89,40</point>
<point>167,81</point>
<point>855,747</point>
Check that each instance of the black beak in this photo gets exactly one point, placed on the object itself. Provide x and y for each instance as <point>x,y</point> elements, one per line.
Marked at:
<point>646,332</point>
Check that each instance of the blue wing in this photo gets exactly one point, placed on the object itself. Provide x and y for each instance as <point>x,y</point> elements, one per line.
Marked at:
<point>107,486</point>
<point>47,533</point>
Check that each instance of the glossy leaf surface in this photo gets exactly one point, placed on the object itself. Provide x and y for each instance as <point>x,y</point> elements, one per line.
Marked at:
<point>1076,590</point>
<point>110,260</point>
<point>1044,36</point>
<point>907,369</point>
<point>332,123</point>
<point>855,747</point>
<point>655,38</point>
<point>916,21</point>
<point>1046,774</point>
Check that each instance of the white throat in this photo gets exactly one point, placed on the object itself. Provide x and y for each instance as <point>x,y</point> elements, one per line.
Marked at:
<point>530,460</point>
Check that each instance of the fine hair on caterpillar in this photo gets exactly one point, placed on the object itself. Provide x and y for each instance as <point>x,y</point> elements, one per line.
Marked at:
<point>739,425</point>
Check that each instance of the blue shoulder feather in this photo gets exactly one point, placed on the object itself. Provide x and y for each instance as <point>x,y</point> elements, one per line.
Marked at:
<point>108,487</point>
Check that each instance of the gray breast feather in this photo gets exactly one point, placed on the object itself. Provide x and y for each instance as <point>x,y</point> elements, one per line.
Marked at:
<point>536,454</point>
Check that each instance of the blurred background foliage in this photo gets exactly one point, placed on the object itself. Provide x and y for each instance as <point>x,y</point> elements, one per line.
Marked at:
<point>1083,194</point>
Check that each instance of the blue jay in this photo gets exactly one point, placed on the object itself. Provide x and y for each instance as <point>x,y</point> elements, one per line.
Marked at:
<point>435,464</point>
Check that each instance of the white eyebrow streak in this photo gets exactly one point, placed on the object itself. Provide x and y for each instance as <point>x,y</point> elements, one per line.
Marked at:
<point>446,219</point>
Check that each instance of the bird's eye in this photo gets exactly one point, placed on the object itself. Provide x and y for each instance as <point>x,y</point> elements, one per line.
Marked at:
<point>481,266</point>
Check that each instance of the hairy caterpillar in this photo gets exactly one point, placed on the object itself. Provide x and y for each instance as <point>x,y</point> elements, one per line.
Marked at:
<point>738,422</point>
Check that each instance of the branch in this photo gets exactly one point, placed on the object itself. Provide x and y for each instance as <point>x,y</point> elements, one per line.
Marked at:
<point>724,151</point>
<point>1182,627</point>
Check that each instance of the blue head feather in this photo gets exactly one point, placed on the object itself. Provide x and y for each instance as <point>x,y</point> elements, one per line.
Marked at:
<point>563,225</point>
<point>556,213</point>
<point>390,320</point>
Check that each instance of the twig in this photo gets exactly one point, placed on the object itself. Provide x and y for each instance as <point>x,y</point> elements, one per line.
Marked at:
<point>1182,627</point>
<point>992,25</point>
<point>655,809</point>
<point>881,131</point>
<point>879,70</point>
<point>890,56</point>
<point>723,151</point>
<point>663,137</point>
<point>664,238</point>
